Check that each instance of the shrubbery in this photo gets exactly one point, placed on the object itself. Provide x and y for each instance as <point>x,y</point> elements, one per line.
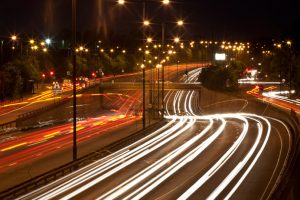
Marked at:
<point>222,77</point>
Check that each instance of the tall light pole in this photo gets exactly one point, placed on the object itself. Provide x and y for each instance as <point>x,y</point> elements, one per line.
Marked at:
<point>144,75</point>
<point>165,3</point>
<point>74,27</point>
<point>158,102</point>
<point>289,44</point>
<point>163,70</point>
<point>1,61</point>
<point>144,97</point>
<point>146,23</point>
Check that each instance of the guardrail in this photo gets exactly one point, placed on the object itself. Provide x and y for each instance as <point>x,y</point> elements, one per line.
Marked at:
<point>61,171</point>
<point>7,125</point>
<point>285,183</point>
<point>28,115</point>
<point>40,110</point>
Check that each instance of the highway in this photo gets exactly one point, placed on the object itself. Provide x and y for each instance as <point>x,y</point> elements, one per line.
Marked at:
<point>194,156</point>
<point>10,111</point>
<point>25,154</point>
<point>275,97</point>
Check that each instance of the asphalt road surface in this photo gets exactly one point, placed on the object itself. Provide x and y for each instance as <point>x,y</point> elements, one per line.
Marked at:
<point>194,156</point>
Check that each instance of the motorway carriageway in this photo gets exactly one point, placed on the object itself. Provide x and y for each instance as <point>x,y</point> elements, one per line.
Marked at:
<point>36,144</point>
<point>277,98</point>
<point>219,156</point>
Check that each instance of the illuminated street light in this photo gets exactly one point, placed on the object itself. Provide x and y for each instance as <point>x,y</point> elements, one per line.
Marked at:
<point>48,41</point>
<point>31,41</point>
<point>180,23</point>
<point>289,43</point>
<point>177,40</point>
<point>146,23</point>
<point>166,2</point>
<point>121,2</point>
<point>45,50</point>
<point>147,52</point>
<point>14,38</point>
<point>42,43</point>
<point>124,51</point>
<point>149,40</point>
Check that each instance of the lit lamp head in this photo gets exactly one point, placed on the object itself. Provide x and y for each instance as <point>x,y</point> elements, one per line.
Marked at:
<point>166,2</point>
<point>48,41</point>
<point>146,23</point>
<point>14,38</point>
<point>177,40</point>
<point>149,40</point>
<point>121,2</point>
<point>180,22</point>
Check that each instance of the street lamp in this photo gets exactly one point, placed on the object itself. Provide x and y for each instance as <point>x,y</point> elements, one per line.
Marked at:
<point>14,38</point>
<point>31,41</point>
<point>144,97</point>
<point>176,39</point>
<point>121,2</point>
<point>146,23</point>
<point>158,66</point>
<point>166,2</point>
<point>180,22</point>
<point>74,27</point>
<point>149,40</point>
<point>48,41</point>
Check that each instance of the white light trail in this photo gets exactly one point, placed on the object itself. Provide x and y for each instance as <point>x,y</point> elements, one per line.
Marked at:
<point>146,180</point>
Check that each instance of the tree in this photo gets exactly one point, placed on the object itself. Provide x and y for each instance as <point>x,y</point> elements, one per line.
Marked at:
<point>19,75</point>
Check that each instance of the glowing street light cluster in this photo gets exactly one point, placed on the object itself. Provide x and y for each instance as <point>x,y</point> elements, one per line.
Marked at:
<point>82,49</point>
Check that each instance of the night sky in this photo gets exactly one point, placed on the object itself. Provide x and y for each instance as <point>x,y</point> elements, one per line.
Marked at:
<point>231,19</point>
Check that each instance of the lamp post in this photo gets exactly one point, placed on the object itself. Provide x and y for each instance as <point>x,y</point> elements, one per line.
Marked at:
<point>1,61</point>
<point>74,24</point>
<point>289,44</point>
<point>144,75</point>
<point>146,23</point>
<point>158,101</point>
<point>163,68</point>
<point>165,3</point>
<point>144,97</point>
<point>14,40</point>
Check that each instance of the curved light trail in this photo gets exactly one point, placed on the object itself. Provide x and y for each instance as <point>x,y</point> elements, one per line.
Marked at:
<point>184,150</point>
<point>48,140</point>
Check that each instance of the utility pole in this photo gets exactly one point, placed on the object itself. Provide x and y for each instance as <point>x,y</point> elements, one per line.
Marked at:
<point>144,74</point>
<point>74,24</point>
<point>163,70</point>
